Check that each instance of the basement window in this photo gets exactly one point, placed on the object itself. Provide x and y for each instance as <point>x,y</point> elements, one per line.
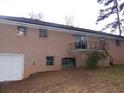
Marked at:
<point>21,30</point>
<point>49,60</point>
<point>43,33</point>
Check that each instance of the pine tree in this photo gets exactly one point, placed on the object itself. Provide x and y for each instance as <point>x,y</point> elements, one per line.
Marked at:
<point>112,7</point>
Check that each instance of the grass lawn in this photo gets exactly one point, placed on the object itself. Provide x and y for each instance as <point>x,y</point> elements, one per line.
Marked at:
<point>78,80</point>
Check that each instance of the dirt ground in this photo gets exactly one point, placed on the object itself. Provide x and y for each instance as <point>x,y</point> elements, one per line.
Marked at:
<point>78,80</point>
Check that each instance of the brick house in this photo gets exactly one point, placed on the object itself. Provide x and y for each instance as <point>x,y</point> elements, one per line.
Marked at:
<point>28,46</point>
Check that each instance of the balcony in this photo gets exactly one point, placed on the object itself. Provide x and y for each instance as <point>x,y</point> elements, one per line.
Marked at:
<point>89,46</point>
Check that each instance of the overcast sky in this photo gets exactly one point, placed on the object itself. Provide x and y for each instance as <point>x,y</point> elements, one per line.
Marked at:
<point>84,12</point>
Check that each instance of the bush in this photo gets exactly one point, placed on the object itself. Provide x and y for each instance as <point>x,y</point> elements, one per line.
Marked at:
<point>94,58</point>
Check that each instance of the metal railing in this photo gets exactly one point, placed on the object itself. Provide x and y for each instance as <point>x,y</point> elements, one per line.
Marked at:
<point>90,45</point>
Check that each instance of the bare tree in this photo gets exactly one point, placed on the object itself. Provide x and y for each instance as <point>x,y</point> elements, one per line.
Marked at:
<point>69,20</point>
<point>37,16</point>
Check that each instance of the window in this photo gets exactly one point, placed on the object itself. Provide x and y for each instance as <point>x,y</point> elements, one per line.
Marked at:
<point>81,41</point>
<point>102,44</point>
<point>43,33</point>
<point>21,30</point>
<point>118,42</point>
<point>49,60</point>
<point>68,63</point>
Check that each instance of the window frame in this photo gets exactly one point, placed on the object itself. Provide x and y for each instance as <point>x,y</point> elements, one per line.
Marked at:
<point>22,29</point>
<point>117,42</point>
<point>81,41</point>
<point>50,60</point>
<point>43,33</point>
<point>102,43</point>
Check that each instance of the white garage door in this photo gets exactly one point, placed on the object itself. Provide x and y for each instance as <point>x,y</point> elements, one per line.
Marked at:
<point>11,67</point>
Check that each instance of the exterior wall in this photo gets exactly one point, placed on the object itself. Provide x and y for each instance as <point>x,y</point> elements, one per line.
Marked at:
<point>58,44</point>
<point>117,52</point>
<point>81,56</point>
<point>35,48</point>
<point>80,59</point>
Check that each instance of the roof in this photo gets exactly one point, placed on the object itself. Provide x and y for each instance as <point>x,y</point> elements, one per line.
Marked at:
<point>38,22</point>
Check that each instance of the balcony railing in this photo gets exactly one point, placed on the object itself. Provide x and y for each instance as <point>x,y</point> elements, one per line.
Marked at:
<point>92,45</point>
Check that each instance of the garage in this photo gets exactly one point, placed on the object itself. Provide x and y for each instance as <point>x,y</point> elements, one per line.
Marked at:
<point>11,67</point>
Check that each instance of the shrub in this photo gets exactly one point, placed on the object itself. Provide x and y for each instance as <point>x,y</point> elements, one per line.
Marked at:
<point>94,58</point>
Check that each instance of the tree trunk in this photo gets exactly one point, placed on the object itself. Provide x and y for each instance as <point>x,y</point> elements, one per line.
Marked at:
<point>118,18</point>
